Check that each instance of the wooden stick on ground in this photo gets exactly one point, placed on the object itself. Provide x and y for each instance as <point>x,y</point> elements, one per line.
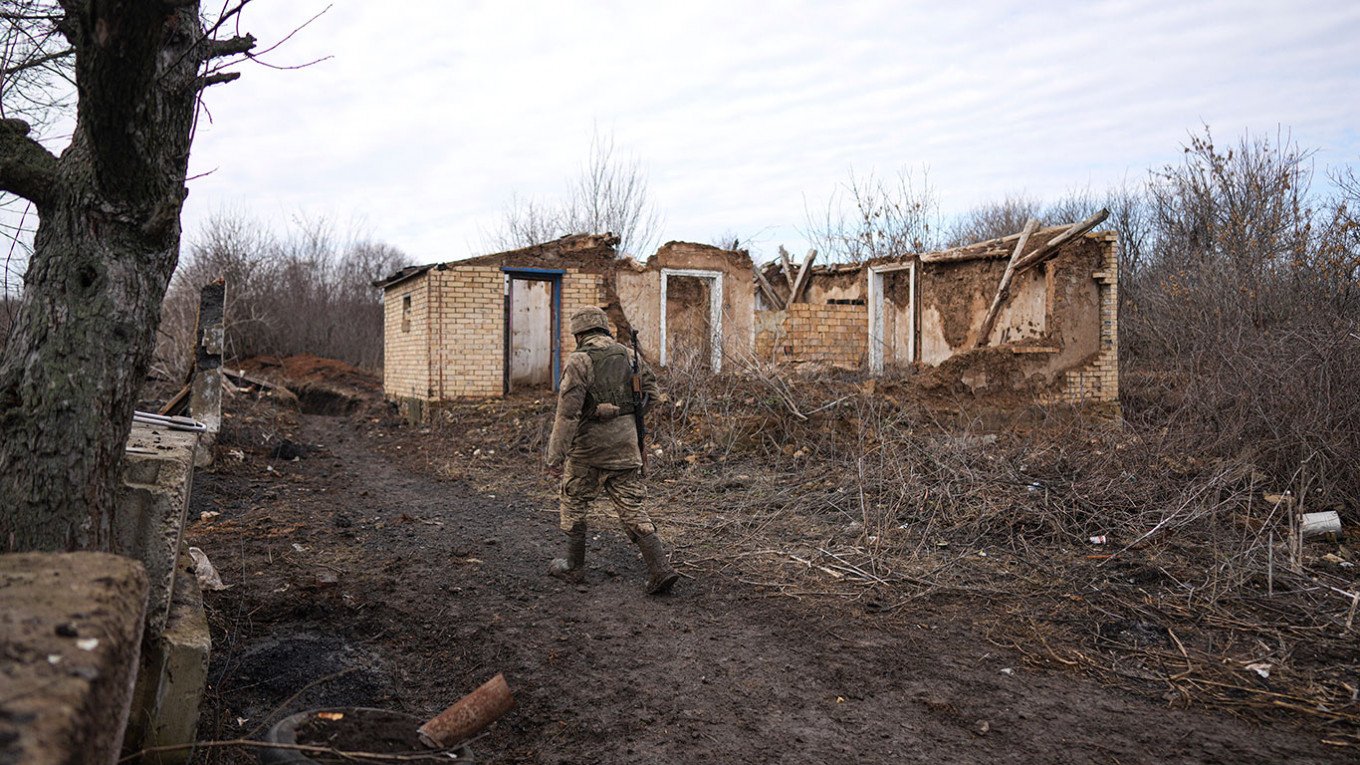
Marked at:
<point>1003,290</point>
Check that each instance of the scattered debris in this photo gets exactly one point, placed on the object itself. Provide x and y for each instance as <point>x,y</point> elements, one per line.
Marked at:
<point>208,578</point>
<point>469,715</point>
<point>1324,525</point>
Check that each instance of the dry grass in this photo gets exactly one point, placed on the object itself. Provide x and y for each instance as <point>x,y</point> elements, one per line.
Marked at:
<point>901,507</point>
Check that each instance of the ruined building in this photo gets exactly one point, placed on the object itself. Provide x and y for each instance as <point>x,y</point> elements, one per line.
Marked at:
<point>1028,318</point>
<point>491,325</point>
<point>1051,335</point>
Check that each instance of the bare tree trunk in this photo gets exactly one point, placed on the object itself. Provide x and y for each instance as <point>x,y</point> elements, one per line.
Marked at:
<point>107,242</point>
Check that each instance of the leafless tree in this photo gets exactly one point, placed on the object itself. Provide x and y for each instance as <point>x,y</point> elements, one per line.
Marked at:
<point>305,291</point>
<point>870,217</point>
<point>610,195</point>
<point>1241,318</point>
<point>106,242</point>
<point>993,219</point>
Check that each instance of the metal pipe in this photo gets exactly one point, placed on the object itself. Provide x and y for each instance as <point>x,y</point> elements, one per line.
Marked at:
<point>174,423</point>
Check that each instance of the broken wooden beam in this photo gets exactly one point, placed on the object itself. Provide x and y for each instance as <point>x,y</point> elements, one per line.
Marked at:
<point>1051,248</point>
<point>469,715</point>
<point>999,247</point>
<point>788,269</point>
<point>770,295</point>
<point>1003,290</point>
<point>804,272</point>
<point>178,403</point>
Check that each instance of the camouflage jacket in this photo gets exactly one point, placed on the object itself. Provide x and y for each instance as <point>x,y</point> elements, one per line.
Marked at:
<point>588,440</point>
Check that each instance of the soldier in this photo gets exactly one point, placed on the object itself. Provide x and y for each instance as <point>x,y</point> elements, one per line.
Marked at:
<point>594,445</point>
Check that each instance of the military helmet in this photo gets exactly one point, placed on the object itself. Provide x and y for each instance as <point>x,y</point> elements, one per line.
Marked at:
<point>587,319</point>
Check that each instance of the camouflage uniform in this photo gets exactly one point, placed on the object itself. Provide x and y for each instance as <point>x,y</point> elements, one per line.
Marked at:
<point>594,438</point>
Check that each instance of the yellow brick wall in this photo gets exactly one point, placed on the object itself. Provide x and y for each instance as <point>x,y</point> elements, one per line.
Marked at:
<point>579,290</point>
<point>832,334</point>
<point>406,361</point>
<point>1098,380</point>
<point>455,347</point>
<point>467,322</point>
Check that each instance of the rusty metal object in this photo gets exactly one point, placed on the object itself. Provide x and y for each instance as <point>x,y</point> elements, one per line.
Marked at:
<point>469,715</point>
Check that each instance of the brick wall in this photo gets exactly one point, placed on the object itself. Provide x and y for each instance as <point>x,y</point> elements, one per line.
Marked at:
<point>467,322</point>
<point>831,334</point>
<point>406,360</point>
<point>454,346</point>
<point>1098,379</point>
<point>579,291</point>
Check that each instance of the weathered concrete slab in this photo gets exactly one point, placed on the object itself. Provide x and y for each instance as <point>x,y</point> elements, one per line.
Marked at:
<point>149,513</point>
<point>70,638</point>
<point>173,675</point>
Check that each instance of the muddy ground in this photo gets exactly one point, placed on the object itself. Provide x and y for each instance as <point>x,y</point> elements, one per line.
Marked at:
<point>361,570</point>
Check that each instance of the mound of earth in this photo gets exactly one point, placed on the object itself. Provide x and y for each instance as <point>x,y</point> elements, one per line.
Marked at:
<point>323,386</point>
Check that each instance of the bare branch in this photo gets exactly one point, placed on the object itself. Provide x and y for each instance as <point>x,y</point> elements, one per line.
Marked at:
<point>232,46</point>
<point>37,62</point>
<point>26,168</point>
<point>218,78</point>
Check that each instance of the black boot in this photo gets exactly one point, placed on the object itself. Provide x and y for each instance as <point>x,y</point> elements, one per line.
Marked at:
<point>572,566</point>
<point>658,565</point>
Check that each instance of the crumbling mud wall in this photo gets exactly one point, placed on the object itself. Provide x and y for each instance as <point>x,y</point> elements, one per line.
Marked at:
<point>1055,338</point>
<point>639,295</point>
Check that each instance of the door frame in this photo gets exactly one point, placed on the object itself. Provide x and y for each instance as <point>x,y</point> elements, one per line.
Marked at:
<point>875,304</point>
<point>715,302</point>
<point>554,276</point>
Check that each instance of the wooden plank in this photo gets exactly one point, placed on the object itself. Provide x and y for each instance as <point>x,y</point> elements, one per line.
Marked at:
<point>178,403</point>
<point>770,295</point>
<point>1051,249</point>
<point>788,269</point>
<point>801,282</point>
<point>991,248</point>
<point>1003,290</point>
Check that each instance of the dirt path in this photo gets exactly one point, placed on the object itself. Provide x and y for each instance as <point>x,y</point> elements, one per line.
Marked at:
<point>412,590</point>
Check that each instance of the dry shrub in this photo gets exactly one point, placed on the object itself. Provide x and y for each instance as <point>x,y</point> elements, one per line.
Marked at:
<point>828,485</point>
<point>1240,326</point>
<point>306,292</point>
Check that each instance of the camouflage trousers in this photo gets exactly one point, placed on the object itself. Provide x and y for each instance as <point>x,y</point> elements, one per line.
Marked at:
<point>581,484</point>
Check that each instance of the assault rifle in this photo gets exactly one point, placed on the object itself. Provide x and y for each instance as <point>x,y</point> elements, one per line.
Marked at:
<point>639,402</point>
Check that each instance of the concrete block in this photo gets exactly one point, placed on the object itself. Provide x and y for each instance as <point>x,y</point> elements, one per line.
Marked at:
<point>149,511</point>
<point>71,625</point>
<point>173,676</point>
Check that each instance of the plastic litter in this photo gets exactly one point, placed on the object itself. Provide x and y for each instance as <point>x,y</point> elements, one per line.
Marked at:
<point>208,577</point>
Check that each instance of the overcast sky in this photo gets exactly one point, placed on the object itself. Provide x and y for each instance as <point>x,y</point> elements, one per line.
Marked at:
<point>432,113</point>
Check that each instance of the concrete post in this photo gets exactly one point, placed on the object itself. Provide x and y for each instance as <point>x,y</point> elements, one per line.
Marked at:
<point>205,395</point>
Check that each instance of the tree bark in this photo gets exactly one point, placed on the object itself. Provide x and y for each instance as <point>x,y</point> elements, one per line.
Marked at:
<point>107,242</point>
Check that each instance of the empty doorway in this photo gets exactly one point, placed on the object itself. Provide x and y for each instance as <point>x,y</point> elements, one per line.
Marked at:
<point>691,318</point>
<point>892,316</point>
<point>533,300</point>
